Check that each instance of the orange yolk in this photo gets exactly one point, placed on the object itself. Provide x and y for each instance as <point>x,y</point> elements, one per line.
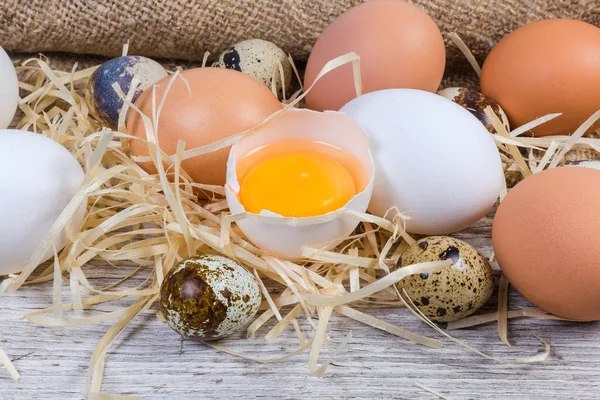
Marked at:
<point>297,185</point>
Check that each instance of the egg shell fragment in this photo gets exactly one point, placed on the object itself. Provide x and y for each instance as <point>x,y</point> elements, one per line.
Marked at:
<point>434,161</point>
<point>208,297</point>
<point>287,236</point>
<point>456,291</point>
<point>259,59</point>
<point>39,178</point>
<point>9,90</point>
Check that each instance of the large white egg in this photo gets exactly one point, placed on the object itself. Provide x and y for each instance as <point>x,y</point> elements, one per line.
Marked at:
<point>434,161</point>
<point>9,90</point>
<point>38,178</point>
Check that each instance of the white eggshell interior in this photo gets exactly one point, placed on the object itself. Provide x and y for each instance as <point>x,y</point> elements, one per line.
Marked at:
<point>9,90</point>
<point>287,239</point>
<point>39,177</point>
<point>433,159</point>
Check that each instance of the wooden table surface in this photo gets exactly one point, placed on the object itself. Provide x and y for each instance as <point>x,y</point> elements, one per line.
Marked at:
<point>152,361</point>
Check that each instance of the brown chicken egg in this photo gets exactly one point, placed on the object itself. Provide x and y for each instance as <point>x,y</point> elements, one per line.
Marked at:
<point>456,291</point>
<point>219,103</point>
<point>399,45</point>
<point>546,67</point>
<point>545,236</point>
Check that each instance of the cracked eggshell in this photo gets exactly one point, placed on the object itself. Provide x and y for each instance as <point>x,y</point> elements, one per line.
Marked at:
<point>287,236</point>
<point>39,178</point>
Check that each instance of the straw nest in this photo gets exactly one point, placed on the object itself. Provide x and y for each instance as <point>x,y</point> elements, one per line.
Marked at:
<point>156,222</point>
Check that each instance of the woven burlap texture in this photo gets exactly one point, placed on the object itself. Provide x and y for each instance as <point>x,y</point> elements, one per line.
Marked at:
<point>185,29</point>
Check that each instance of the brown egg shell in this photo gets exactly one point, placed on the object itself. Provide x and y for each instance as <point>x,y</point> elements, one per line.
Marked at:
<point>209,297</point>
<point>546,67</point>
<point>545,237</point>
<point>400,46</point>
<point>456,291</point>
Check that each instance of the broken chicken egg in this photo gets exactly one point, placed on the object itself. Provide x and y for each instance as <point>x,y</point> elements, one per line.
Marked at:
<point>294,181</point>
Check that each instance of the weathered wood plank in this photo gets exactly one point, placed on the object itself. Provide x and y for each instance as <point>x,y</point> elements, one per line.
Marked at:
<point>152,361</point>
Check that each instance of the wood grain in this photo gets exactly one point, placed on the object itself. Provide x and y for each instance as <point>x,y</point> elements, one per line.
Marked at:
<point>152,361</point>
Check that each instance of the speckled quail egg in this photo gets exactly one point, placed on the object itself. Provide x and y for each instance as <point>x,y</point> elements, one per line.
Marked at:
<point>208,297</point>
<point>456,291</point>
<point>260,59</point>
<point>476,103</point>
<point>595,164</point>
<point>101,96</point>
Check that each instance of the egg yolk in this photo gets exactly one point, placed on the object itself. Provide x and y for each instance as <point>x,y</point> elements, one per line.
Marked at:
<point>297,185</point>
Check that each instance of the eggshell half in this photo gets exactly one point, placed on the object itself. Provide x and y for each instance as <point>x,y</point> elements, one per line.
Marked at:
<point>287,236</point>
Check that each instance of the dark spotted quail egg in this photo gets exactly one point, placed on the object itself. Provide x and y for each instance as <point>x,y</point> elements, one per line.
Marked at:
<point>208,297</point>
<point>454,292</point>
<point>260,59</point>
<point>101,96</point>
<point>476,103</point>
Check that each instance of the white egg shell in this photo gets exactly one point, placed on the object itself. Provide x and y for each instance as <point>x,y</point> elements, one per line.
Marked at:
<point>259,59</point>
<point>9,90</point>
<point>287,236</point>
<point>39,177</point>
<point>434,160</point>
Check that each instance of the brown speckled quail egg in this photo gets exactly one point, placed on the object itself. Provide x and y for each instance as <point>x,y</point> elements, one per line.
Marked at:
<point>456,291</point>
<point>208,297</point>
<point>595,164</point>
<point>260,59</point>
<point>476,103</point>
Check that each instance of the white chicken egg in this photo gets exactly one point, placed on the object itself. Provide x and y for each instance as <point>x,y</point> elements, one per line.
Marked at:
<point>39,177</point>
<point>9,90</point>
<point>434,160</point>
<point>286,236</point>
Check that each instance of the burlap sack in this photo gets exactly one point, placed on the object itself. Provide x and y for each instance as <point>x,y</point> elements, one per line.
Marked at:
<point>185,29</point>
